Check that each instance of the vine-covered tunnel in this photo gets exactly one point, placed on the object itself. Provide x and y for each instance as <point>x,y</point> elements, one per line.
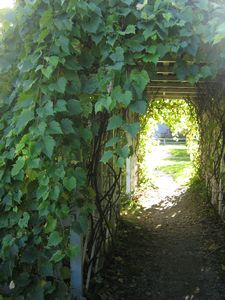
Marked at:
<point>76,80</point>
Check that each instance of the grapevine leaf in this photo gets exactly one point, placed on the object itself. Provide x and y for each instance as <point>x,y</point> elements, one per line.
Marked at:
<point>114,122</point>
<point>49,144</point>
<point>18,166</point>
<point>107,155</point>
<point>70,183</point>
<point>54,239</point>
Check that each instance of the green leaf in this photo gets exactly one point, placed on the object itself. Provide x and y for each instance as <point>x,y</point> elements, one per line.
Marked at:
<point>138,107</point>
<point>47,72</point>
<point>35,163</point>
<point>118,55</point>
<point>61,85</point>
<point>73,251</point>
<point>151,49</point>
<point>54,239</point>
<point>23,119</point>
<point>53,60</point>
<point>112,141</point>
<point>60,106</point>
<point>129,30</point>
<point>92,24</point>
<point>18,166</point>
<point>44,33</point>
<point>23,222</point>
<point>49,144</point>
<point>119,96</point>
<point>139,80</point>
<point>120,162</point>
<point>148,32</point>
<point>55,128</point>
<point>114,122</point>
<point>106,156</point>
<point>42,192</point>
<point>27,84</point>
<point>51,224</point>
<point>46,19</point>
<point>133,128</point>
<point>102,103</point>
<point>67,126</point>
<point>46,269</point>
<point>64,43</point>
<point>57,256</point>
<point>124,152</point>
<point>74,107</point>
<point>70,183</point>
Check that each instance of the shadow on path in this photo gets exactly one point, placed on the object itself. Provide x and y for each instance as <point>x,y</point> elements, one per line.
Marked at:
<point>172,250</point>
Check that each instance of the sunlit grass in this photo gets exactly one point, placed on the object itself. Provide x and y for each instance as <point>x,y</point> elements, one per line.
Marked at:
<point>177,163</point>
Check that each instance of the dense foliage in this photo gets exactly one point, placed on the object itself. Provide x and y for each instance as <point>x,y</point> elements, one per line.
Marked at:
<point>72,71</point>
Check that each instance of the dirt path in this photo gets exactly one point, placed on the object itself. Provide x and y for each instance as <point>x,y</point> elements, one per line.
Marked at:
<point>174,249</point>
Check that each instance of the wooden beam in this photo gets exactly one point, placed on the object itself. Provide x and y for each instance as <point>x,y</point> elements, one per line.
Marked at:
<point>171,96</point>
<point>167,78</point>
<point>158,84</point>
<point>172,90</point>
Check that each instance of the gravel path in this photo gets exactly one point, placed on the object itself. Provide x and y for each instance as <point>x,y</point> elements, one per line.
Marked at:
<point>171,249</point>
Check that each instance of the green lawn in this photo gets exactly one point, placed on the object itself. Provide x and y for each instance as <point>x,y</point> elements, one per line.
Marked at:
<point>177,164</point>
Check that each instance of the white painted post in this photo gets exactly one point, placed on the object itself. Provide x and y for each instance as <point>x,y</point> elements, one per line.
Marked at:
<point>128,175</point>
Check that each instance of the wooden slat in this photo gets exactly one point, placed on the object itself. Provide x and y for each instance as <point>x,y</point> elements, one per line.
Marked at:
<point>159,84</point>
<point>171,90</point>
<point>171,96</point>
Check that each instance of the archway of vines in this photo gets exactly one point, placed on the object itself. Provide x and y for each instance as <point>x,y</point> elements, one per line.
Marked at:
<point>180,117</point>
<point>73,84</point>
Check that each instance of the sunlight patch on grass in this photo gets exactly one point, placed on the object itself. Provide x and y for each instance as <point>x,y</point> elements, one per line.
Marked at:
<point>177,164</point>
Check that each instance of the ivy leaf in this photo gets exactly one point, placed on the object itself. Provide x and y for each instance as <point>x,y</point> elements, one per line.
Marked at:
<point>51,224</point>
<point>70,183</point>
<point>138,107</point>
<point>119,96</point>
<point>92,24</point>
<point>112,141</point>
<point>49,144</point>
<point>133,128</point>
<point>23,222</point>
<point>67,126</point>
<point>139,80</point>
<point>106,156</point>
<point>42,192</point>
<point>120,162</point>
<point>61,85</point>
<point>114,122</point>
<point>24,118</point>
<point>47,72</point>
<point>74,107</point>
<point>124,152</point>
<point>60,106</point>
<point>64,43</point>
<point>54,128</point>
<point>118,55</point>
<point>105,102</point>
<point>57,256</point>
<point>46,19</point>
<point>53,60</point>
<point>18,166</point>
<point>130,29</point>
<point>54,239</point>
<point>148,32</point>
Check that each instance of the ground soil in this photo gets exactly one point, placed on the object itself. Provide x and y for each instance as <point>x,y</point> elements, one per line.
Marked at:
<point>174,249</point>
